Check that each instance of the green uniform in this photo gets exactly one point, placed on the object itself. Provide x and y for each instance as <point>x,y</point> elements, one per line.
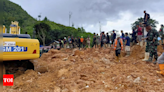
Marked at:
<point>152,45</point>
<point>161,33</point>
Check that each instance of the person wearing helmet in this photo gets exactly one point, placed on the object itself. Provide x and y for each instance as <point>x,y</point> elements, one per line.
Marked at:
<point>118,46</point>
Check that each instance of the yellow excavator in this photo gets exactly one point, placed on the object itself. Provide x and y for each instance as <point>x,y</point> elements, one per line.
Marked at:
<point>18,49</point>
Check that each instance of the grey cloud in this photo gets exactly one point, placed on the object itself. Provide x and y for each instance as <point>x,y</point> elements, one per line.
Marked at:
<point>89,12</point>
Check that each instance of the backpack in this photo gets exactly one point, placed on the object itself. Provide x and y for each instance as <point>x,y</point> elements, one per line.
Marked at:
<point>148,16</point>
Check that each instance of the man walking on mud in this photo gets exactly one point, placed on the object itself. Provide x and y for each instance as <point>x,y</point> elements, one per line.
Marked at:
<point>152,41</point>
<point>118,46</point>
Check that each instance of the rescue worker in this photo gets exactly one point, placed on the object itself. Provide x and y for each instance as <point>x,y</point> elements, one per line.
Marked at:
<point>134,37</point>
<point>107,40</point>
<point>123,35</point>
<point>72,42</point>
<point>152,42</point>
<point>88,42</point>
<point>69,42</point>
<point>161,63</point>
<point>82,40</point>
<point>84,43</point>
<point>161,32</point>
<point>94,41</point>
<point>103,39</point>
<point>113,37</point>
<point>79,42</point>
<point>76,43</point>
<point>118,46</point>
<point>98,41</point>
<point>146,17</point>
<point>65,43</point>
<point>139,35</point>
<point>127,44</point>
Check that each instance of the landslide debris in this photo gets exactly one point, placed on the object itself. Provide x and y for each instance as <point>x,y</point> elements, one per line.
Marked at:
<point>90,70</point>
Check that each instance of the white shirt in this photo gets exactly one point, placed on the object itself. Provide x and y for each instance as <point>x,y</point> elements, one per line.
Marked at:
<point>145,32</point>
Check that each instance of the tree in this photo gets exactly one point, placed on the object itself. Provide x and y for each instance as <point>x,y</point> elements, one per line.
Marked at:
<point>152,22</point>
<point>42,30</point>
<point>45,19</point>
<point>82,29</point>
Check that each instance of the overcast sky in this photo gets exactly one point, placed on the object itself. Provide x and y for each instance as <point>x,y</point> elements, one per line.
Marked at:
<point>113,14</point>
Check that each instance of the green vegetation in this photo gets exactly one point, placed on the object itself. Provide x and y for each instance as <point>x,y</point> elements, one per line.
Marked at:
<point>14,12</point>
<point>152,22</point>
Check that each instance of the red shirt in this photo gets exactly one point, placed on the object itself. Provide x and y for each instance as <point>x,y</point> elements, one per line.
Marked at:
<point>139,31</point>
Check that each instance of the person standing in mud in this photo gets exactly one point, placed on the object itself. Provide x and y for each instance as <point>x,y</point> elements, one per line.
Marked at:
<point>79,42</point>
<point>94,40</point>
<point>88,42</point>
<point>72,42</point>
<point>134,37</point>
<point>118,46</point>
<point>123,35</point>
<point>76,42</point>
<point>113,37</point>
<point>98,41</point>
<point>161,32</point>
<point>103,39</point>
<point>152,42</point>
<point>107,40</point>
<point>84,43</point>
<point>82,40</point>
<point>60,43</point>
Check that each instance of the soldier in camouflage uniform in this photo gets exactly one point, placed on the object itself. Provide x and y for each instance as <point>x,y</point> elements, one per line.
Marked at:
<point>152,43</point>
<point>161,33</point>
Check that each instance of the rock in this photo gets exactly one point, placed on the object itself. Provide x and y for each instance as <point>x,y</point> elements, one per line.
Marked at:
<point>137,80</point>
<point>159,80</point>
<point>65,59</point>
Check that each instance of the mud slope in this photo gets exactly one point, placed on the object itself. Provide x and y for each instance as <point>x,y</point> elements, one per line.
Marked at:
<point>90,70</point>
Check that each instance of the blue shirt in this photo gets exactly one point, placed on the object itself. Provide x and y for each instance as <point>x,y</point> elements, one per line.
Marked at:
<point>128,41</point>
<point>123,35</point>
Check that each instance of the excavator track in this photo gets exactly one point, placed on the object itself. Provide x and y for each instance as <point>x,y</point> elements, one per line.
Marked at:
<point>11,67</point>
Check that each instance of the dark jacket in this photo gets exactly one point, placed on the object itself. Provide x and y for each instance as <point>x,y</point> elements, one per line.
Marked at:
<point>114,36</point>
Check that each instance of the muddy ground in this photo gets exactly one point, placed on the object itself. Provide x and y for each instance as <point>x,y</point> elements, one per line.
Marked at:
<point>90,70</point>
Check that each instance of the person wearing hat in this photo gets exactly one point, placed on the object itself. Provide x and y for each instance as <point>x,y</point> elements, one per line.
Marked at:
<point>152,43</point>
<point>161,32</point>
<point>118,46</point>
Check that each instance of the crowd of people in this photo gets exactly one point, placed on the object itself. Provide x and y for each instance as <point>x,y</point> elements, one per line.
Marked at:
<point>143,34</point>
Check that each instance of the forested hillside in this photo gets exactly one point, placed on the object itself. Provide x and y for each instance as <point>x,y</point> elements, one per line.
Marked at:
<point>14,12</point>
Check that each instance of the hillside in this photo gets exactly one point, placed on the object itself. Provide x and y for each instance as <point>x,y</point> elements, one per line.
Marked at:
<point>14,12</point>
